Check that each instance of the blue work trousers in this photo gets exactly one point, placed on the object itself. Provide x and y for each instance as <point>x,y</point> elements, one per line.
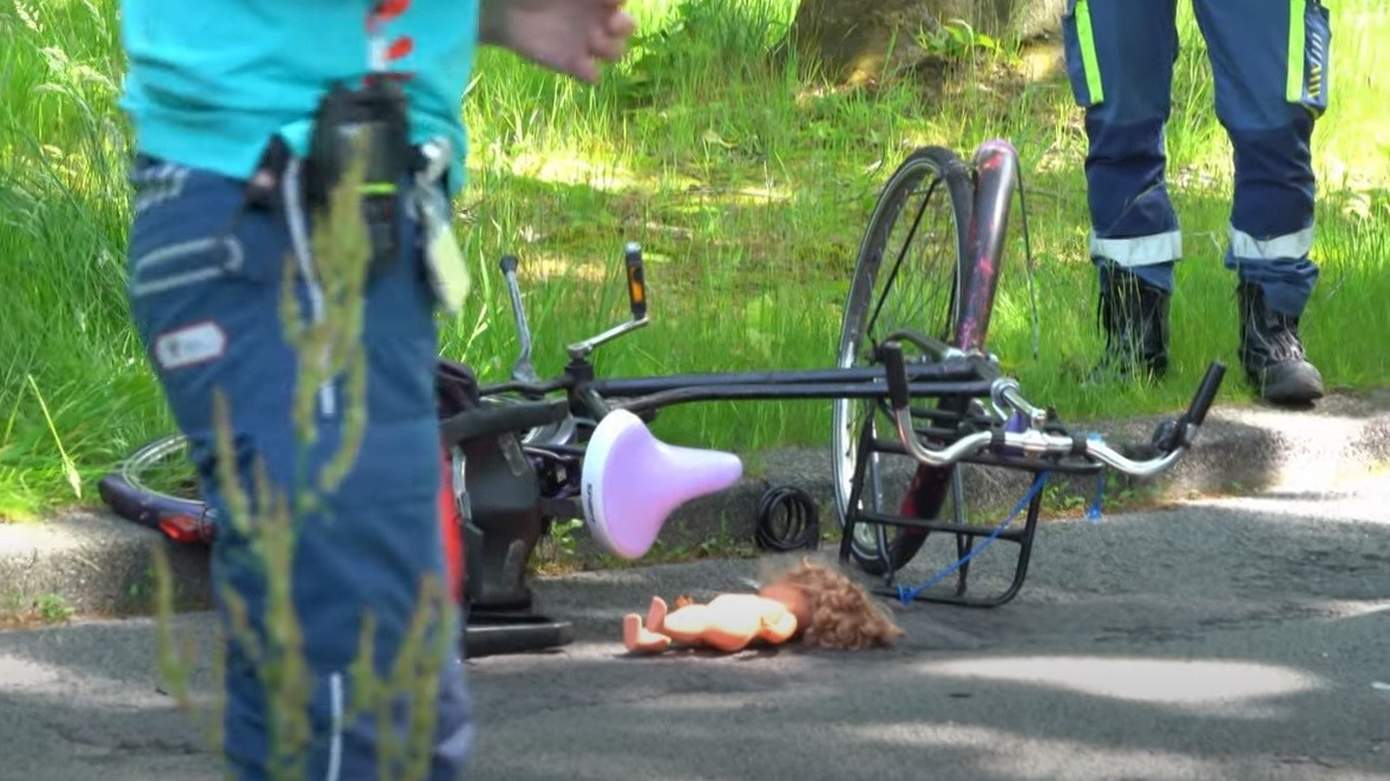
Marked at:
<point>1270,63</point>
<point>216,282</point>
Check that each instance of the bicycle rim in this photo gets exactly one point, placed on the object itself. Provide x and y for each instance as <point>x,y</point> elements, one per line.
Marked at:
<point>161,471</point>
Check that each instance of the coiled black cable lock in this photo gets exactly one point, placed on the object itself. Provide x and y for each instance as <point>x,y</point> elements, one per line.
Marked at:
<point>788,520</point>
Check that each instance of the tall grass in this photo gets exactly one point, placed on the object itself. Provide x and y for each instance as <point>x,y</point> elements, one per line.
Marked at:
<point>749,183</point>
<point>63,215</point>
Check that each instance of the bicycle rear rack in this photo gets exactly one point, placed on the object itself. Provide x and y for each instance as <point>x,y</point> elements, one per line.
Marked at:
<point>966,534</point>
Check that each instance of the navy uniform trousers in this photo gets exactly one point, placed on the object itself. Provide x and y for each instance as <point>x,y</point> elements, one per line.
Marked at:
<point>1270,63</point>
<point>206,275</point>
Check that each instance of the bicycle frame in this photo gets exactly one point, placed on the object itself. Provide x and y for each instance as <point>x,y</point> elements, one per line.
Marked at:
<point>960,371</point>
<point>996,166</point>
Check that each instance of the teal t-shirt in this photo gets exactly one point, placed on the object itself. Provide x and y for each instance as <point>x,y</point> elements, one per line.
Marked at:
<point>210,82</point>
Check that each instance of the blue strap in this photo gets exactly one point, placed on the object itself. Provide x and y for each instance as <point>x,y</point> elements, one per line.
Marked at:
<point>1093,513</point>
<point>906,594</point>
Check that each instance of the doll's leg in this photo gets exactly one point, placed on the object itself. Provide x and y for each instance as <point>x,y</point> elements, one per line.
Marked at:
<point>639,639</point>
<point>648,637</point>
<point>656,614</point>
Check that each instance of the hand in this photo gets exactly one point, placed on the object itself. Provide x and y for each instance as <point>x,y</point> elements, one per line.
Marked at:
<point>569,36</point>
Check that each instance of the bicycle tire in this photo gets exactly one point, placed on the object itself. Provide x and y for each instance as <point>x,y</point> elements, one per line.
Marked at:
<point>129,494</point>
<point>874,548</point>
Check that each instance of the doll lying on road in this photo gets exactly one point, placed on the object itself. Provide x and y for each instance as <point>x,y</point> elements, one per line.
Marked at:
<point>811,601</point>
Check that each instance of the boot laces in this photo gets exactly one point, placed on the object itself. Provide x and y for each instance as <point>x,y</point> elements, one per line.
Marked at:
<point>1270,332</point>
<point>1283,341</point>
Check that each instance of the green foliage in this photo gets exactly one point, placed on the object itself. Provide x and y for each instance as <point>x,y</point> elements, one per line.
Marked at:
<point>748,181</point>
<point>75,394</point>
<point>18,609</point>
<point>955,40</point>
<point>53,608</point>
<point>562,535</point>
<point>674,55</point>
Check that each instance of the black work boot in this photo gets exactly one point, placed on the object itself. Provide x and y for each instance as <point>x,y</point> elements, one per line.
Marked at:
<point>1134,315</point>
<point>1271,352</point>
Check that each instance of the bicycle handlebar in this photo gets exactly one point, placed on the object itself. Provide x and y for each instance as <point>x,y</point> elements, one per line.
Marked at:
<point>1172,438</point>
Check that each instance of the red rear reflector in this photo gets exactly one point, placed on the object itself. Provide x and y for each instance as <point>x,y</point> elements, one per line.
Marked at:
<point>183,528</point>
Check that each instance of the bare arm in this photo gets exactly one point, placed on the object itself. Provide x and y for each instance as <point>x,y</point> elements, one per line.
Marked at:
<point>568,36</point>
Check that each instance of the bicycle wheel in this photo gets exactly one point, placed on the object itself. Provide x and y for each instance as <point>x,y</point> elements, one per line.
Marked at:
<point>908,276</point>
<point>156,487</point>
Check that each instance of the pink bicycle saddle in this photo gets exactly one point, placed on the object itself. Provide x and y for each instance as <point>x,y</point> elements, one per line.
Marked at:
<point>632,482</point>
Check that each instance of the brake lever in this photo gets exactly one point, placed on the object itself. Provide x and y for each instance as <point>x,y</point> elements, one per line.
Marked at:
<point>523,370</point>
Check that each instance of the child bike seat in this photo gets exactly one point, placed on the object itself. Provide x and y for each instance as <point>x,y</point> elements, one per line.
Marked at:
<point>632,482</point>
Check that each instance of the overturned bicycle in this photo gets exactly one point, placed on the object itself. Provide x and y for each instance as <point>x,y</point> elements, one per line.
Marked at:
<point>912,379</point>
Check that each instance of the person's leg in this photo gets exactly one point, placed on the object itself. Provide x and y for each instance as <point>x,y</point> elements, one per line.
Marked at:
<point>1120,57</point>
<point>206,273</point>
<point>1270,63</point>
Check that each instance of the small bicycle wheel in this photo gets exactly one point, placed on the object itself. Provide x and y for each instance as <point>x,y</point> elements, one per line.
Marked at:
<point>908,276</point>
<point>156,486</point>
<point>161,470</point>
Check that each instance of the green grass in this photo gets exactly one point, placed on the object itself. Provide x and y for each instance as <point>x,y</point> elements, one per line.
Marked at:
<point>748,182</point>
<point>21,611</point>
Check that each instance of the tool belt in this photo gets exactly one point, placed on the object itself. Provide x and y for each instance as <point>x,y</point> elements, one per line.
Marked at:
<point>371,125</point>
<point>368,125</point>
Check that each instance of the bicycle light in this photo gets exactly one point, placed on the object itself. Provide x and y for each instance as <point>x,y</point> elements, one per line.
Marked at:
<point>636,281</point>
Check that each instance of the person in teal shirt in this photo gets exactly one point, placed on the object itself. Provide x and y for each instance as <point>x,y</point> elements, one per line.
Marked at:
<point>223,97</point>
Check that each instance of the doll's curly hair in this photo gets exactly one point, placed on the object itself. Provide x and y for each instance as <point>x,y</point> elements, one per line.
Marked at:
<point>843,615</point>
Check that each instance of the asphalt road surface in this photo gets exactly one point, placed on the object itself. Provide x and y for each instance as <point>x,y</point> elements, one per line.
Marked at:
<point>1222,639</point>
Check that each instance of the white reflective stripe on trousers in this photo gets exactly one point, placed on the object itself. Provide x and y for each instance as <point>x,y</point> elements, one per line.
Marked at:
<point>1140,250</point>
<point>335,746</point>
<point>299,237</point>
<point>1290,245</point>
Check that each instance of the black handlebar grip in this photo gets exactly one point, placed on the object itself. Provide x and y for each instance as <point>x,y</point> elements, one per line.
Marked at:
<point>892,354</point>
<point>636,282</point>
<point>1206,393</point>
<point>508,264</point>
